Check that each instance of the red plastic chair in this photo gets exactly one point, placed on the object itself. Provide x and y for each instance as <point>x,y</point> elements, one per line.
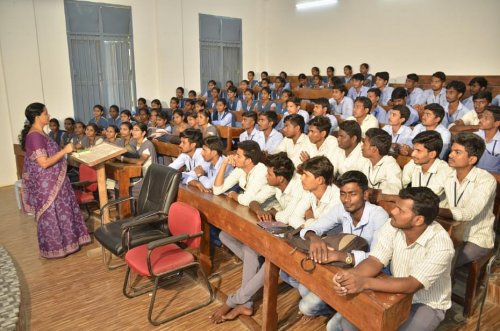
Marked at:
<point>169,257</point>
<point>86,188</point>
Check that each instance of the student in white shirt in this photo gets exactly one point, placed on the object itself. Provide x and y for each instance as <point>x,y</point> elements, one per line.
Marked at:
<point>382,83</point>
<point>415,94</point>
<point>398,97</point>
<point>212,152</point>
<point>356,216</point>
<point>357,89</point>
<point>470,197</point>
<point>349,155</point>
<point>341,105</point>
<point>361,114</point>
<point>321,142</point>
<point>431,119</point>
<point>470,121</point>
<point>489,126</point>
<point>454,110</point>
<point>476,84</point>
<point>267,121</point>
<point>383,172</point>
<point>322,108</point>
<point>380,113</point>
<point>295,141</point>
<point>221,115</point>
<point>248,121</point>
<point>292,108</point>
<point>420,253</point>
<point>250,174</point>
<point>190,157</point>
<point>437,92</point>
<point>399,133</point>
<point>280,176</point>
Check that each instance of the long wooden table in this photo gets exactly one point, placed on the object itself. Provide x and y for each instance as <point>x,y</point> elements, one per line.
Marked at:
<point>367,310</point>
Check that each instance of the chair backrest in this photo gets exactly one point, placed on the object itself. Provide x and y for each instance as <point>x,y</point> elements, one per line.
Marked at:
<point>159,189</point>
<point>87,173</point>
<point>184,219</point>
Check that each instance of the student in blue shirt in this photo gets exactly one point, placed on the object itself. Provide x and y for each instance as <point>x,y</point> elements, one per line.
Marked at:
<point>233,103</point>
<point>357,89</point>
<point>69,127</point>
<point>489,125</point>
<point>265,103</point>
<point>279,87</point>
<point>477,84</point>
<point>265,82</point>
<point>244,85</point>
<point>330,74</point>
<point>55,133</point>
<point>252,82</point>
<point>398,98</point>
<point>286,83</point>
<point>347,73</point>
<point>210,86</point>
<point>141,104</point>
<point>381,82</point>
<point>415,94</point>
<point>223,92</point>
<point>126,117</point>
<point>285,95</point>
<point>99,119</point>
<point>213,98</point>
<point>454,110</point>
<point>303,82</point>
<point>341,104</point>
<point>380,113</point>
<point>249,102</point>
<point>436,94</point>
<point>114,116</point>
<point>179,94</point>
<point>263,75</point>
<point>221,116</point>
<point>368,78</point>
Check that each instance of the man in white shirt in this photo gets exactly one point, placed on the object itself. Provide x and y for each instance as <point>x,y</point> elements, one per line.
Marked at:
<point>454,110</point>
<point>383,172</point>
<point>341,105</point>
<point>470,121</point>
<point>288,188</point>
<point>212,152</point>
<point>321,142</point>
<point>476,84</point>
<point>295,141</point>
<point>322,108</point>
<point>415,94</point>
<point>250,174</point>
<point>358,89</point>
<point>267,121</point>
<point>431,119</point>
<point>248,121</point>
<point>190,158</point>
<point>399,132</point>
<point>470,197</point>
<point>361,114</point>
<point>293,108</point>
<point>356,216</point>
<point>420,253</point>
<point>349,155</point>
<point>382,83</point>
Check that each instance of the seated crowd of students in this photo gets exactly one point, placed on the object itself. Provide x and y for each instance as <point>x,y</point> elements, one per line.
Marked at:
<point>329,170</point>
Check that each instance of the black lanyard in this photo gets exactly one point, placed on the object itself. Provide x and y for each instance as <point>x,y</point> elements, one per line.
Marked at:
<point>361,232</point>
<point>493,149</point>
<point>370,179</point>
<point>428,180</point>
<point>461,194</point>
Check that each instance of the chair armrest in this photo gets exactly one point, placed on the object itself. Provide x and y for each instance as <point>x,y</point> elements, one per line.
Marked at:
<point>112,203</point>
<point>171,240</point>
<point>82,183</point>
<point>144,219</point>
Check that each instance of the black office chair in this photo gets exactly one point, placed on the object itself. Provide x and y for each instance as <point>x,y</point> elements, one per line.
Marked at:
<point>158,191</point>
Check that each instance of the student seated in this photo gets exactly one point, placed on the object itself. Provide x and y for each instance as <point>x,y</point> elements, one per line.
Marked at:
<point>153,117</point>
<point>303,82</point>
<point>293,108</point>
<point>349,155</point>
<point>156,105</point>
<point>79,136</point>
<point>399,132</point>
<point>179,94</point>
<point>213,98</point>
<point>470,196</point>
<point>321,142</point>
<point>285,96</point>
<point>188,106</point>
<point>272,138</point>
<point>233,103</point>
<point>252,132</point>
<point>263,84</point>
<point>347,74</point>
<point>454,110</point>
<point>192,119</point>
<point>431,118</point>
<point>98,118</point>
<point>436,94</point>
<point>380,113</point>
<point>470,121</point>
<point>286,83</point>
<point>242,87</point>
<point>357,89</point>
<point>383,172</point>
<point>252,82</point>
<point>178,124</point>
<point>476,84</point>
<point>279,87</point>
<point>265,103</point>
<point>126,116</point>
<point>111,134</point>
<point>69,131</point>
<point>92,137</point>
<point>415,94</point>
<point>55,133</point>
<point>114,116</point>
<point>361,114</point>
<point>496,101</point>
<point>204,125</point>
<point>249,102</point>
<point>420,253</point>
<point>223,92</point>
<point>264,75</point>
<point>192,95</point>
<point>341,104</point>
<point>330,76</point>
<point>212,153</point>
<point>190,157</point>
<point>425,168</point>
<point>163,130</point>
<point>316,82</point>
<point>364,69</point>
<point>221,116</point>
<point>295,141</point>
<point>126,140</point>
<point>141,104</point>
<point>249,174</point>
<point>356,216</point>
<point>280,176</point>
<point>143,116</point>
<point>322,108</point>
<point>489,131</point>
<point>382,83</point>
<point>398,98</point>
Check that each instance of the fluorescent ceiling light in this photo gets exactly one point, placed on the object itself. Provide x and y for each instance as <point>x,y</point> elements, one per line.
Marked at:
<point>314,4</point>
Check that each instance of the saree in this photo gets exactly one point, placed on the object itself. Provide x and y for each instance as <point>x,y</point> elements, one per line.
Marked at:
<point>47,193</point>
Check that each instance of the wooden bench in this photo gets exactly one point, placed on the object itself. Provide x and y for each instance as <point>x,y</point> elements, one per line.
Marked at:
<point>367,310</point>
<point>229,133</point>
<point>167,149</point>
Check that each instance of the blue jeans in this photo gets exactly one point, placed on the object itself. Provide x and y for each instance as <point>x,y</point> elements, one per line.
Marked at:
<point>312,305</point>
<point>294,283</point>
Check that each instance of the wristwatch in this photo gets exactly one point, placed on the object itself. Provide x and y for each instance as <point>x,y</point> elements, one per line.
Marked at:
<point>121,158</point>
<point>348,259</point>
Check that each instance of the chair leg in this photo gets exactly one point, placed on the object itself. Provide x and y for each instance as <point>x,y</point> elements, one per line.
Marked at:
<point>185,312</point>
<point>107,256</point>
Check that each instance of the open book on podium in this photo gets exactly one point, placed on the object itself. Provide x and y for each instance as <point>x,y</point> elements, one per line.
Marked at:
<point>98,154</point>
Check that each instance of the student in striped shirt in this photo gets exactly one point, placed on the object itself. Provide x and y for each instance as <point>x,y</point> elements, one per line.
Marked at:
<point>420,253</point>
<point>470,196</point>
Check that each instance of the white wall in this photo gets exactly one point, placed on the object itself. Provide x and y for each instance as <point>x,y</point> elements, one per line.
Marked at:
<point>461,37</point>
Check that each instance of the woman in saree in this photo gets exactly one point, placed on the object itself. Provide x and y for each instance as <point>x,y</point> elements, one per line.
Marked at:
<point>47,192</point>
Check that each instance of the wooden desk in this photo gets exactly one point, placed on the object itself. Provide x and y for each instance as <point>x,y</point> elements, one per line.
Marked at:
<point>167,149</point>
<point>122,172</point>
<point>367,310</point>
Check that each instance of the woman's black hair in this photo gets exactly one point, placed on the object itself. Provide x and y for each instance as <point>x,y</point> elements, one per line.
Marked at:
<point>32,111</point>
